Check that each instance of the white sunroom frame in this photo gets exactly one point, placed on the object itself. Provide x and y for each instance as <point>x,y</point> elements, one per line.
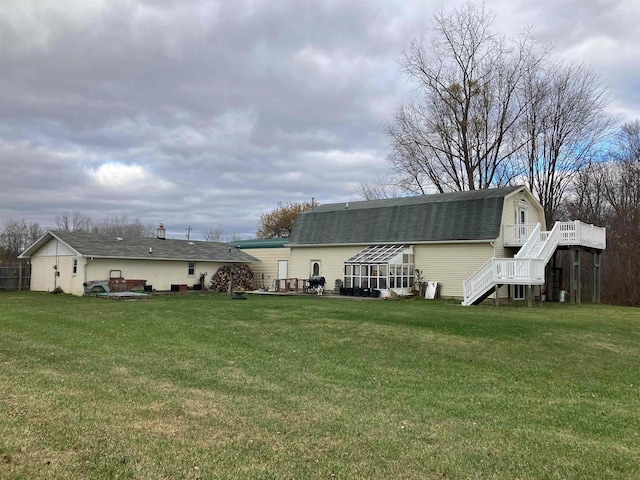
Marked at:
<point>381,267</point>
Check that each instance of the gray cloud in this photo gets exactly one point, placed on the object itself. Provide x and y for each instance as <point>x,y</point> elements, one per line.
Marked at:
<point>207,113</point>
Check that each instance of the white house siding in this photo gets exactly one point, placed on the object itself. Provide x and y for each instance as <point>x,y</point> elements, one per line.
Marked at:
<point>268,265</point>
<point>160,274</point>
<point>44,278</point>
<point>535,214</point>
<point>331,259</point>
<point>55,257</point>
<point>450,264</point>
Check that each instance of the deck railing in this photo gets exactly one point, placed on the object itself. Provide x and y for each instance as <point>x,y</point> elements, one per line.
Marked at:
<point>571,233</point>
<point>498,271</point>
<point>537,247</point>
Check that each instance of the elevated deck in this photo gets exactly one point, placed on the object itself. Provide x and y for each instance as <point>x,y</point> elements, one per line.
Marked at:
<point>528,265</point>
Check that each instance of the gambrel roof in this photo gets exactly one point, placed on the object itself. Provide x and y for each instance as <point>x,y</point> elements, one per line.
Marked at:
<point>459,216</point>
<point>147,248</point>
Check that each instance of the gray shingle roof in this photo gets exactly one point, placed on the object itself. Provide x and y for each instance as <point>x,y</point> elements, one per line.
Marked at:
<point>474,215</point>
<point>108,246</point>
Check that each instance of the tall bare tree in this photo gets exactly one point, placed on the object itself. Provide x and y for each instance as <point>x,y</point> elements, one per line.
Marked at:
<point>123,226</point>
<point>463,128</point>
<point>214,234</point>
<point>16,236</point>
<point>380,187</point>
<point>563,125</point>
<point>608,194</point>
<point>74,221</point>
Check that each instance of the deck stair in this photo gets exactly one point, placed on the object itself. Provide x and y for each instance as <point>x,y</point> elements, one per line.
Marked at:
<point>527,267</point>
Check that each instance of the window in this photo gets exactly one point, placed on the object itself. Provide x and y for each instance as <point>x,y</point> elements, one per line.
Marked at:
<point>518,292</point>
<point>75,266</point>
<point>191,271</point>
<point>315,268</point>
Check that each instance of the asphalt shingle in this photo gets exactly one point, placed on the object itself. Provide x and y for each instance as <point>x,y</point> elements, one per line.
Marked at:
<point>474,215</point>
<point>109,246</point>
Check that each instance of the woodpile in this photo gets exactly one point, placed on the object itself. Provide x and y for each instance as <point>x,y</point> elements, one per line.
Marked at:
<point>242,278</point>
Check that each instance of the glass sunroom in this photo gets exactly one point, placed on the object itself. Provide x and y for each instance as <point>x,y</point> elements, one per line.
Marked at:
<point>381,267</point>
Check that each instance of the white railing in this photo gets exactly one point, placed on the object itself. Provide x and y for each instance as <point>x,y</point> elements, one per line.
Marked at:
<point>571,233</point>
<point>551,243</point>
<point>530,244</point>
<point>478,283</point>
<point>527,267</point>
<point>516,235</point>
<point>497,271</point>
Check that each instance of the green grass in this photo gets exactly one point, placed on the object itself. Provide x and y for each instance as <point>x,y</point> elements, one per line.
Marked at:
<point>197,386</point>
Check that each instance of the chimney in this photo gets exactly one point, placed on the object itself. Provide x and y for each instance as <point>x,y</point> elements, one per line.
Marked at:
<point>161,232</point>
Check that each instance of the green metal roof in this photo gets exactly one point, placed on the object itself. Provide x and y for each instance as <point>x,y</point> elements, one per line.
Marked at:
<point>261,243</point>
<point>458,216</point>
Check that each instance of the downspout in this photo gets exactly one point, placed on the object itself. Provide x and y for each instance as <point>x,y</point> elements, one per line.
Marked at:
<point>55,275</point>
<point>85,268</point>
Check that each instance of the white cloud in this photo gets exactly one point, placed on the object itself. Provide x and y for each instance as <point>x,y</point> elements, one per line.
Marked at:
<point>115,175</point>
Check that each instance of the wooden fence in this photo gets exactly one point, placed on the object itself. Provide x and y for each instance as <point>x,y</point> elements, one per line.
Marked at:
<point>15,277</point>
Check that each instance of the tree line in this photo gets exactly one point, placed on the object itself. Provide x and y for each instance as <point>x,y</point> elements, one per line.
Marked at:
<point>17,235</point>
<point>492,110</point>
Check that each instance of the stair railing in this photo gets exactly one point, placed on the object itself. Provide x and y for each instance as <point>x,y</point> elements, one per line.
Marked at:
<point>529,245</point>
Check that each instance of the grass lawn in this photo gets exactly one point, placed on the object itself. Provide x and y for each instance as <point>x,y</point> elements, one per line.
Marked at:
<point>198,386</point>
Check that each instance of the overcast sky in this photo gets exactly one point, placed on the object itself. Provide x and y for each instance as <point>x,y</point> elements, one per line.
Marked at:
<point>207,113</point>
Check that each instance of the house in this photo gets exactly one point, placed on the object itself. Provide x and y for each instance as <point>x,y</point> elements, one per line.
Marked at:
<point>274,256</point>
<point>472,243</point>
<point>69,260</point>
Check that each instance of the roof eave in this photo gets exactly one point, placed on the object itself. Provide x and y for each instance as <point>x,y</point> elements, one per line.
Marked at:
<point>407,242</point>
<point>174,259</point>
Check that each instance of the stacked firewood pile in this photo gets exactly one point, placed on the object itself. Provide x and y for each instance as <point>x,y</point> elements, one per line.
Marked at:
<point>242,278</point>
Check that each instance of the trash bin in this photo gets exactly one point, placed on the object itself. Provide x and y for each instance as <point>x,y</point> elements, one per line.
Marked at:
<point>562,294</point>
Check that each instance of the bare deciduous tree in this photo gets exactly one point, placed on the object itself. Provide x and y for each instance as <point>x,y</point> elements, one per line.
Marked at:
<point>214,234</point>
<point>563,125</point>
<point>381,187</point>
<point>16,236</point>
<point>122,226</point>
<point>463,129</point>
<point>608,194</point>
<point>75,221</point>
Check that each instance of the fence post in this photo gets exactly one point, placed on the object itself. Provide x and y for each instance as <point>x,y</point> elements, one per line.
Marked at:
<point>20,277</point>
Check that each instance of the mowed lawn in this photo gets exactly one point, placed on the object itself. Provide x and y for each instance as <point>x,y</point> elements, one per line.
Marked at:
<point>198,386</point>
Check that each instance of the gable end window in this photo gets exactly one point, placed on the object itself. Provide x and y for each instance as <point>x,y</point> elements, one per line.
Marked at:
<point>191,270</point>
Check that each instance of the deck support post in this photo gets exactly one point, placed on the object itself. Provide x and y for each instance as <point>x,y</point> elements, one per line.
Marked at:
<point>597,256</point>
<point>574,275</point>
<point>529,295</point>
<point>540,288</point>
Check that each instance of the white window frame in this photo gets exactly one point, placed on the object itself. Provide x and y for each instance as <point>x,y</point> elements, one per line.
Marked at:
<point>311,264</point>
<point>191,269</point>
<point>74,267</point>
<point>519,292</point>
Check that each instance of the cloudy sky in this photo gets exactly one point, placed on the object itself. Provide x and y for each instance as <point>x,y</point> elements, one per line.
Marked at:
<point>205,113</point>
